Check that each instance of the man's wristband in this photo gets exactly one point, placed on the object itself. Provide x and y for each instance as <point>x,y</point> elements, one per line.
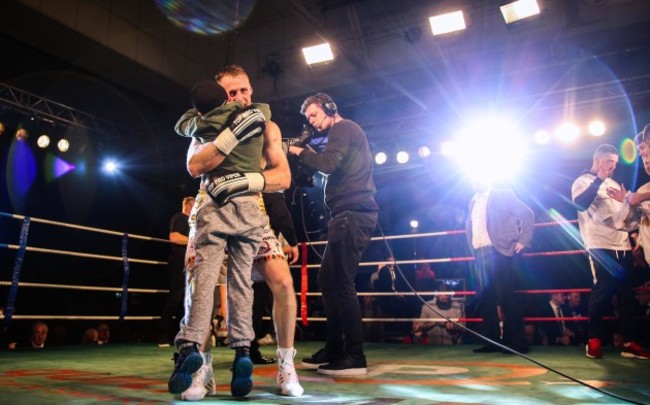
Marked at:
<point>226,141</point>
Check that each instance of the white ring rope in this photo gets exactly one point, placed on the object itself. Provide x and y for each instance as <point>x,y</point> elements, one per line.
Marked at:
<point>443,233</point>
<point>445,259</point>
<point>83,317</point>
<point>86,228</point>
<point>400,293</point>
<point>80,254</point>
<point>83,287</point>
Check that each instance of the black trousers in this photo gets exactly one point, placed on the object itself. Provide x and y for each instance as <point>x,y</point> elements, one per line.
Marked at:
<point>174,302</point>
<point>262,305</point>
<point>348,235</point>
<point>500,283</point>
<point>612,271</point>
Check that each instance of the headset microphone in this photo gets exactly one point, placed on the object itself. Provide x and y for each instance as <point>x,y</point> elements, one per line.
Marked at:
<point>321,123</point>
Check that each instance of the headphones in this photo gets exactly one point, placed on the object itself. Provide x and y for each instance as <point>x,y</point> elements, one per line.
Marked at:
<point>327,104</point>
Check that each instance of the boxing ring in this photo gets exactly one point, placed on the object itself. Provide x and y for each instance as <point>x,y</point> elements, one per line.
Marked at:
<point>136,371</point>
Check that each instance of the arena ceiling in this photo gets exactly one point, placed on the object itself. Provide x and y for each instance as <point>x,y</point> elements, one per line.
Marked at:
<point>390,73</point>
<point>126,62</point>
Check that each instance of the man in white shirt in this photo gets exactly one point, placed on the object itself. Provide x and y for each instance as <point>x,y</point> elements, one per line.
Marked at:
<point>597,198</point>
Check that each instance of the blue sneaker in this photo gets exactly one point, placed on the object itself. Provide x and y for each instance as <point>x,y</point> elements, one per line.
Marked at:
<point>187,361</point>
<point>242,371</point>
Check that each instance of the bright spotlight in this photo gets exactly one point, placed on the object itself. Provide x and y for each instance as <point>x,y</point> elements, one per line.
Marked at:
<point>424,152</point>
<point>567,132</point>
<point>518,10</point>
<point>542,137</point>
<point>446,23</point>
<point>449,148</point>
<point>414,223</point>
<point>492,148</point>
<point>43,141</point>
<point>597,128</point>
<point>110,166</point>
<point>380,158</point>
<point>402,157</point>
<point>318,53</point>
<point>63,145</point>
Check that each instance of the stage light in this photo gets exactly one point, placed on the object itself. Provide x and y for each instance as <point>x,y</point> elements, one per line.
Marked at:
<point>449,148</point>
<point>22,134</point>
<point>402,157</point>
<point>567,132</point>
<point>63,145</point>
<point>318,53</point>
<point>2,128</point>
<point>414,224</point>
<point>518,10</point>
<point>448,22</point>
<point>542,137</point>
<point>380,158</point>
<point>597,128</point>
<point>111,166</point>
<point>424,152</point>
<point>43,141</point>
<point>492,148</point>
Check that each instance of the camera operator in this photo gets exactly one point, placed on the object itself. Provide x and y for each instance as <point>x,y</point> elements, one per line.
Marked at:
<point>349,194</point>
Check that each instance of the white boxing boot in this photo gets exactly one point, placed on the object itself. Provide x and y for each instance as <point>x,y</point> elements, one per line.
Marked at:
<point>287,378</point>
<point>202,381</point>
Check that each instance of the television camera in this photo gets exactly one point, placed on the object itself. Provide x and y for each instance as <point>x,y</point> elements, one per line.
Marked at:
<point>301,175</point>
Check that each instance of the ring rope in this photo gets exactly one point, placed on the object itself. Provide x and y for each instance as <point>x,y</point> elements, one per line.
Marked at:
<point>454,259</point>
<point>466,320</point>
<point>463,293</point>
<point>444,233</point>
<point>83,317</point>
<point>83,287</point>
<point>81,227</point>
<point>79,254</point>
<point>554,223</point>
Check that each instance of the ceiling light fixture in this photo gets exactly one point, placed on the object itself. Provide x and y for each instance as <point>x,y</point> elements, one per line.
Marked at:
<point>518,10</point>
<point>63,145</point>
<point>448,22</point>
<point>318,53</point>
<point>43,141</point>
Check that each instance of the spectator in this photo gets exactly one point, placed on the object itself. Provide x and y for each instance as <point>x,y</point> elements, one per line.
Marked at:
<point>104,334</point>
<point>439,332</point>
<point>178,232</point>
<point>90,337</point>
<point>617,340</point>
<point>555,333</point>
<point>642,296</point>
<point>38,335</point>
<point>390,306</point>
<point>532,336</point>
<point>424,277</point>
<point>574,307</point>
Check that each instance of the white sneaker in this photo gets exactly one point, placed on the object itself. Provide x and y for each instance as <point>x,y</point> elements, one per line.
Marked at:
<point>287,378</point>
<point>202,381</point>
